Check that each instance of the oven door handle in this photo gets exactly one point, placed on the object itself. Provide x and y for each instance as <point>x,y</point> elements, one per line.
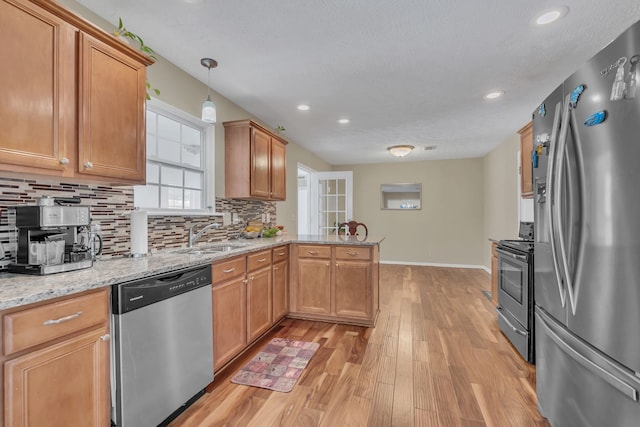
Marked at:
<point>522,258</point>
<point>513,328</point>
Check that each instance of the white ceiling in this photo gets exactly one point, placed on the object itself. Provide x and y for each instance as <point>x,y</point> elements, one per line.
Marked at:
<point>404,71</point>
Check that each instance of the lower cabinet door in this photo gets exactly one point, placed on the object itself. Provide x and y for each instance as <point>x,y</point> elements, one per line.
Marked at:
<point>259,300</point>
<point>66,384</point>
<point>280,290</point>
<point>313,292</point>
<point>353,289</point>
<point>229,320</point>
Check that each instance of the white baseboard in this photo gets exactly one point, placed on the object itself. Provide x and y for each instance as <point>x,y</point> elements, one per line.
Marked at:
<point>435,264</point>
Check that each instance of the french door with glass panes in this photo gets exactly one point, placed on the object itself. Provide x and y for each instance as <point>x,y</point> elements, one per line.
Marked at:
<point>331,200</point>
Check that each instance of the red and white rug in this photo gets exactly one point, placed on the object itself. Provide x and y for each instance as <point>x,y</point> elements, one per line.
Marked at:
<point>278,365</point>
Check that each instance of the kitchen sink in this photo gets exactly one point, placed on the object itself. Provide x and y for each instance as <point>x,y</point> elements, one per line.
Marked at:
<point>212,249</point>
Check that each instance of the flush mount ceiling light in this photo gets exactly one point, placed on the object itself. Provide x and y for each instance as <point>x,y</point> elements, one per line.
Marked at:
<point>494,95</point>
<point>400,150</point>
<point>303,107</point>
<point>208,107</point>
<point>551,15</point>
<point>344,121</point>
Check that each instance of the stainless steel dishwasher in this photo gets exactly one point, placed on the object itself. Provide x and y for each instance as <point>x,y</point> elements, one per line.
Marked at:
<point>162,346</point>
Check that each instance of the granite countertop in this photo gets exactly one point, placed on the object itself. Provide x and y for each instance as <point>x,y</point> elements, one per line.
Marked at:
<point>22,289</point>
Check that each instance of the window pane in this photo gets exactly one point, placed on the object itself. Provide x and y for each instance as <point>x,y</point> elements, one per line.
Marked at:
<point>191,155</point>
<point>193,179</point>
<point>152,146</point>
<point>146,196</point>
<point>193,199</point>
<point>151,122</point>
<point>168,150</point>
<point>168,128</point>
<point>153,173</point>
<point>170,198</point>
<point>171,176</point>
<point>191,136</point>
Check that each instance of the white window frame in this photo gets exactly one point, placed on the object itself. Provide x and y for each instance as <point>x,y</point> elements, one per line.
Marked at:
<point>208,155</point>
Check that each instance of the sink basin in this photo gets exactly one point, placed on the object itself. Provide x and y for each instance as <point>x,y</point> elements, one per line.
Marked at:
<point>204,250</point>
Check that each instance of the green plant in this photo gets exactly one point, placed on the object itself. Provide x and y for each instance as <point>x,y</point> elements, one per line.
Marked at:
<point>280,128</point>
<point>122,31</point>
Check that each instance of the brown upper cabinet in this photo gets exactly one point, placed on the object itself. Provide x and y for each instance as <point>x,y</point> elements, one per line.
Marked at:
<point>255,162</point>
<point>526,146</point>
<point>73,101</point>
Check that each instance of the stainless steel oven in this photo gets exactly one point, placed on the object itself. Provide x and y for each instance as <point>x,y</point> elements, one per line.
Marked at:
<point>515,291</point>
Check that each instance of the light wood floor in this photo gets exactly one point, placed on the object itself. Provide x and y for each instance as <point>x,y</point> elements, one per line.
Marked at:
<point>435,358</point>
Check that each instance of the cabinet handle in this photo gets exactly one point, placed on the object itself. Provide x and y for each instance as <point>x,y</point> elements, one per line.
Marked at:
<point>106,337</point>
<point>275,268</point>
<point>229,270</point>
<point>261,260</point>
<point>327,265</point>
<point>313,252</point>
<point>352,253</point>
<point>64,161</point>
<point>245,281</point>
<point>88,165</point>
<point>280,253</point>
<point>62,319</point>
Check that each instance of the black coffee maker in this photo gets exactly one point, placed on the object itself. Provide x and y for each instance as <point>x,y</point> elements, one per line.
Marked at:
<point>53,237</point>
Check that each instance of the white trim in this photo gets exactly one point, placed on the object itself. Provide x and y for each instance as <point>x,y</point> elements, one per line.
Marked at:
<point>180,212</point>
<point>435,264</point>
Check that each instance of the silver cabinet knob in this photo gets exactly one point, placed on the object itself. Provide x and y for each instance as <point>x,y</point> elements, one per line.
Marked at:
<point>106,337</point>
<point>88,165</point>
<point>64,161</point>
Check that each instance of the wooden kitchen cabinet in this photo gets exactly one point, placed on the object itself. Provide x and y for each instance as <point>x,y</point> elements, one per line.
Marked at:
<point>526,171</point>
<point>229,293</point>
<point>280,282</point>
<point>112,112</point>
<point>73,97</point>
<point>335,283</point>
<point>56,362</point>
<point>353,271</point>
<point>259,294</point>
<point>255,162</point>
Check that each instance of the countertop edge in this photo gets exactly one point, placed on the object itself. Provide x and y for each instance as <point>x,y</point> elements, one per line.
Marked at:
<point>20,289</point>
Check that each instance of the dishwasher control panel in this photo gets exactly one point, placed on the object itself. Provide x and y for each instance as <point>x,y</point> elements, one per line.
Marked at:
<point>136,294</point>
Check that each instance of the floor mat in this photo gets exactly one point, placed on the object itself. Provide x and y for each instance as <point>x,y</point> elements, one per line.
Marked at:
<point>278,365</point>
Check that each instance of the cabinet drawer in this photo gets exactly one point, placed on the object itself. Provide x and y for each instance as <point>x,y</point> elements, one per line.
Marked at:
<point>280,254</point>
<point>225,270</point>
<point>30,327</point>
<point>258,260</point>
<point>353,252</point>
<point>314,251</point>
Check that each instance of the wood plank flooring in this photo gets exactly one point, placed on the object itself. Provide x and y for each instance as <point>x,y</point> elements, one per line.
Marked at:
<point>435,358</point>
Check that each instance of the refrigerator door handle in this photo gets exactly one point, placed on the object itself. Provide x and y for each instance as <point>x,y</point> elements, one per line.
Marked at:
<point>568,344</point>
<point>559,231</point>
<point>573,283</point>
<point>551,197</point>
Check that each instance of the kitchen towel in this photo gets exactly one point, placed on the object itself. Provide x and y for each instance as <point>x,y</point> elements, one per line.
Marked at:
<point>138,232</point>
<point>278,365</point>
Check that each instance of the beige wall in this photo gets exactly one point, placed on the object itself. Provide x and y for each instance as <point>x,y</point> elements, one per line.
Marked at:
<point>182,91</point>
<point>449,227</point>
<point>501,194</point>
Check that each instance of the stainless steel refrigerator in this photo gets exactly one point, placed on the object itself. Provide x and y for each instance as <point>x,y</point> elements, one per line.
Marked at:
<point>586,179</point>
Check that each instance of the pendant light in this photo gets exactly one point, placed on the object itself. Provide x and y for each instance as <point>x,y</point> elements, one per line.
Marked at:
<point>208,107</point>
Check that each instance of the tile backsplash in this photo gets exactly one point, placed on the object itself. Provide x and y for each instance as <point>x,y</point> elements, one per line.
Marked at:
<point>110,207</point>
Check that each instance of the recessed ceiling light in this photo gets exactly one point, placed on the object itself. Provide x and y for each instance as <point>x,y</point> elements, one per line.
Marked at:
<point>303,107</point>
<point>495,94</point>
<point>344,121</point>
<point>551,15</point>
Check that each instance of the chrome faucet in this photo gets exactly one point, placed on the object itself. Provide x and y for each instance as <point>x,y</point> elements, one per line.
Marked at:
<point>193,237</point>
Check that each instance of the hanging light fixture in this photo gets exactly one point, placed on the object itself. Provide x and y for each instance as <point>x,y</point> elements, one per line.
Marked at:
<point>208,107</point>
<point>400,150</point>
